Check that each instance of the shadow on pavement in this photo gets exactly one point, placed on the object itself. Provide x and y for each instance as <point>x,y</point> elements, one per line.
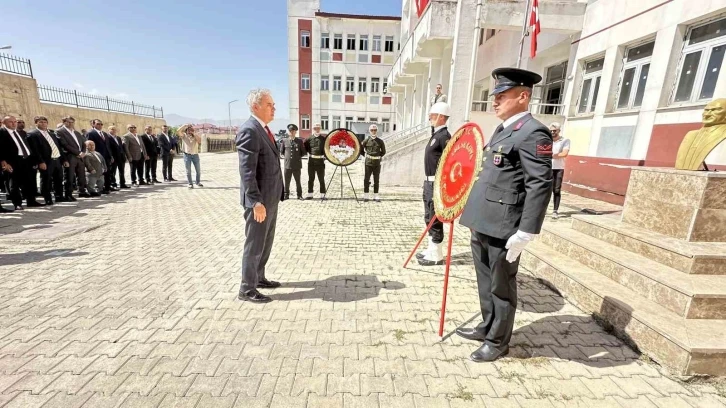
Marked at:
<point>35,256</point>
<point>341,288</point>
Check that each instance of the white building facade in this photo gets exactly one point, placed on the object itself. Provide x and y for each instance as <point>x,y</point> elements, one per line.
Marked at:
<point>627,78</point>
<point>339,65</point>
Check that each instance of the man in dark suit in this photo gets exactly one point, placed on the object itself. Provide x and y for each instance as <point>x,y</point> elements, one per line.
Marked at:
<point>104,147</point>
<point>48,155</point>
<point>261,191</point>
<point>17,160</point>
<point>506,208</point>
<point>20,128</point>
<point>152,150</point>
<point>168,151</point>
<point>135,155</point>
<point>74,145</point>
<point>292,149</point>
<point>119,158</point>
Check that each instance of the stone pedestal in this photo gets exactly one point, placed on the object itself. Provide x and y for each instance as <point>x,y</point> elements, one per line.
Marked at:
<point>688,205</point>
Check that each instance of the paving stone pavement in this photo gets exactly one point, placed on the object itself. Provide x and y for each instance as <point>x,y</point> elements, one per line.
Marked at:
<point>130,301</point>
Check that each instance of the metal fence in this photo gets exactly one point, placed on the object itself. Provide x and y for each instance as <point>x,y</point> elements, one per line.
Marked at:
<point>84,100</point>
<point>220,145</point>
<point>16,65</point>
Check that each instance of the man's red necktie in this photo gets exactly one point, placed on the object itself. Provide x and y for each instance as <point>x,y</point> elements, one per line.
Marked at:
<point>269,134</point>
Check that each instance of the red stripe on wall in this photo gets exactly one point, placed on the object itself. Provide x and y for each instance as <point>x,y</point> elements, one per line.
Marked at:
<point>305,66</point>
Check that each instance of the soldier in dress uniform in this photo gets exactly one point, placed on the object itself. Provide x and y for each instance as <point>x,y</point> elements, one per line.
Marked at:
<point>506,208</point>
<point>374,149</point>
<point>292,149</point>
<point>315,147</point>
<point>438,115</point>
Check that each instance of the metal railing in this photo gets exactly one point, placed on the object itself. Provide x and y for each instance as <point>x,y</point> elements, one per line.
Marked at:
<point>220,145</point>
<point>536,108</point>
<point>16,65</point>
<point>404,134</point>
<point>84,100</point>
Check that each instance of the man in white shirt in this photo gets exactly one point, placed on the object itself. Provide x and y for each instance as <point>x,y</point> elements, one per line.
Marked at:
<point>17,160</point>
<point>73,143</point>
<point>560,150</point>
<point>438,95</point>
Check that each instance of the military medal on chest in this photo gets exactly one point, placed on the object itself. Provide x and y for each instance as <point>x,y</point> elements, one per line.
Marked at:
<point>498,157</point>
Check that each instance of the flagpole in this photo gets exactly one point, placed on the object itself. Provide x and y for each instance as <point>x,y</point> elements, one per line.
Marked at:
<point>472,67</point>
<point>524,33</point>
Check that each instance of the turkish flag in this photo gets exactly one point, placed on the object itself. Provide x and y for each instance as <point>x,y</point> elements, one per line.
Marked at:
<point>534,23</point>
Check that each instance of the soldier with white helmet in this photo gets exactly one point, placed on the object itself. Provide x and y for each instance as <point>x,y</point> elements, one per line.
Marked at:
<point>438,115</point>
<point>374,149</point>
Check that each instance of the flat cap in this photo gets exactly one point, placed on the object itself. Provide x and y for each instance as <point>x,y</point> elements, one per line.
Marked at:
<point>508,78</point>
<point>291,127</point>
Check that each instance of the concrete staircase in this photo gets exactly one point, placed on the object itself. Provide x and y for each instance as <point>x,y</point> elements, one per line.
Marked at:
<point>667,295</point>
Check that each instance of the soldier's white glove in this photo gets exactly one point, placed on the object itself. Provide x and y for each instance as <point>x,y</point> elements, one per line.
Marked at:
<point>516,244</point>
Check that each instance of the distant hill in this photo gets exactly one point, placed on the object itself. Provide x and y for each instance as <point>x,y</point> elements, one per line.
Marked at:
<point>178,120</point>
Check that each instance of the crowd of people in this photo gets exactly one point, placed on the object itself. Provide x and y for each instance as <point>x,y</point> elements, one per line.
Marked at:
<point>91,163</point>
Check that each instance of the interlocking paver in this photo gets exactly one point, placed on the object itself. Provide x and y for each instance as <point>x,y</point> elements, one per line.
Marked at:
<point>348,328</point>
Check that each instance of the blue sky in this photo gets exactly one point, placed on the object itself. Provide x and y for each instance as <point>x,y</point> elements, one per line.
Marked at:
<point>190,57</point>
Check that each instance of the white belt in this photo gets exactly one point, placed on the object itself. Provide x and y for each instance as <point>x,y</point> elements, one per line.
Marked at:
<point>374,157</point>
<point>316,157</point>
<point>430,178</point>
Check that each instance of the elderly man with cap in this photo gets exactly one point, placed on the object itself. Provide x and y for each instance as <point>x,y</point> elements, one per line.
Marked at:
<point>315,147</point>
<point>506,208</point>
<point>292,150</point>
<point>438,115</point>
<point>374,149</point>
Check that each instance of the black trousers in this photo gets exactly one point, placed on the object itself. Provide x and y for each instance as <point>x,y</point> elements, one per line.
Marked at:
<point>137,170</point>
<point>167,162</point>
<point>497,283</point>
<point>107,176</point>
<point>374,170</point>
<point>21,184</point>
<point>151,168</point>
<point>120,166</point>
<point>259,237</point>
<point>76,170</point>
<point>289,174</point>
<point>437,229</point>
<point>316,167</point>
<point>557,175</point>
<point>51,180</point>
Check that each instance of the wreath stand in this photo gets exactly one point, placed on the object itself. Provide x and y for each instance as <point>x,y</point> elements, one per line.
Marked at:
<point>448,263</point>
<point>341,182</point>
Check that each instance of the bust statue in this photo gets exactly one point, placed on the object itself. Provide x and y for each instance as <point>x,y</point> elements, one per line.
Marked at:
<point>699,143</point>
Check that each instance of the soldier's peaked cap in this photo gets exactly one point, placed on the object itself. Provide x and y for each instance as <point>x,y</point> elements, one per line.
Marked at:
<point>291,127</point>
<point>508,78</point>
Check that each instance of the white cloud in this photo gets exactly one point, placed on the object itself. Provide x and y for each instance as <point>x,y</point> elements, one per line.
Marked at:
<point>93,91</point>
<point>77,85</point>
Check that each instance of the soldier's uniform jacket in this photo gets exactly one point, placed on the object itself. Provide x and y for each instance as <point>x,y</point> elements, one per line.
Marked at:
<point>315,145</point>
<point>373,148</point>
<point>434,149</point>
<point>292,150</point>
<point>515,184</point>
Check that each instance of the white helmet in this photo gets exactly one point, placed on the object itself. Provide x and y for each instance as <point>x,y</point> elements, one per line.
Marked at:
<point>441,108</point>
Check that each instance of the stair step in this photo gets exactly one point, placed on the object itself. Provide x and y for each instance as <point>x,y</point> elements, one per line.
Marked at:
<point>704,258</point>
<point>687,346</point>
<point>690,296</point>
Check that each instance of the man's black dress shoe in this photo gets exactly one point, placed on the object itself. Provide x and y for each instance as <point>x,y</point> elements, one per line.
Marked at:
<point>172,179</point>
<point>470,334</point>
<point>487,353</point>
<point>254,296</point>
<point>94,194</point>
<point>268,284</point>
<point>70,199</point>
<point>84,195</point>
<point>125,186</point>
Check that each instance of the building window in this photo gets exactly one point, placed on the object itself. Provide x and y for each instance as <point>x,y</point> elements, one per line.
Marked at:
<point>386,124</point>
<point>590,85</point>
<point>351,42</point>
<point>337,98</point>
<point>374,85</point>
<point>389,44</point>
<point>305,82</point>
<point>636,66</point>
<point>305,39</point>
<point>348,121</point>
<point>305,122</point>
<point>374,120</point>
<point>361,119</point>
<point>336,122</point>
<point>324,122</point>
<point>324,83</point>
<point>336,83</point>
<point>350,84</point>
<point>363,43</point>
<point>554,89</point>
<point>376,43</point>
<point>385,85</point>
<point>338,42</point>
<point>325,41</point>
<point>362,84</point>
<point>701,61</point>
